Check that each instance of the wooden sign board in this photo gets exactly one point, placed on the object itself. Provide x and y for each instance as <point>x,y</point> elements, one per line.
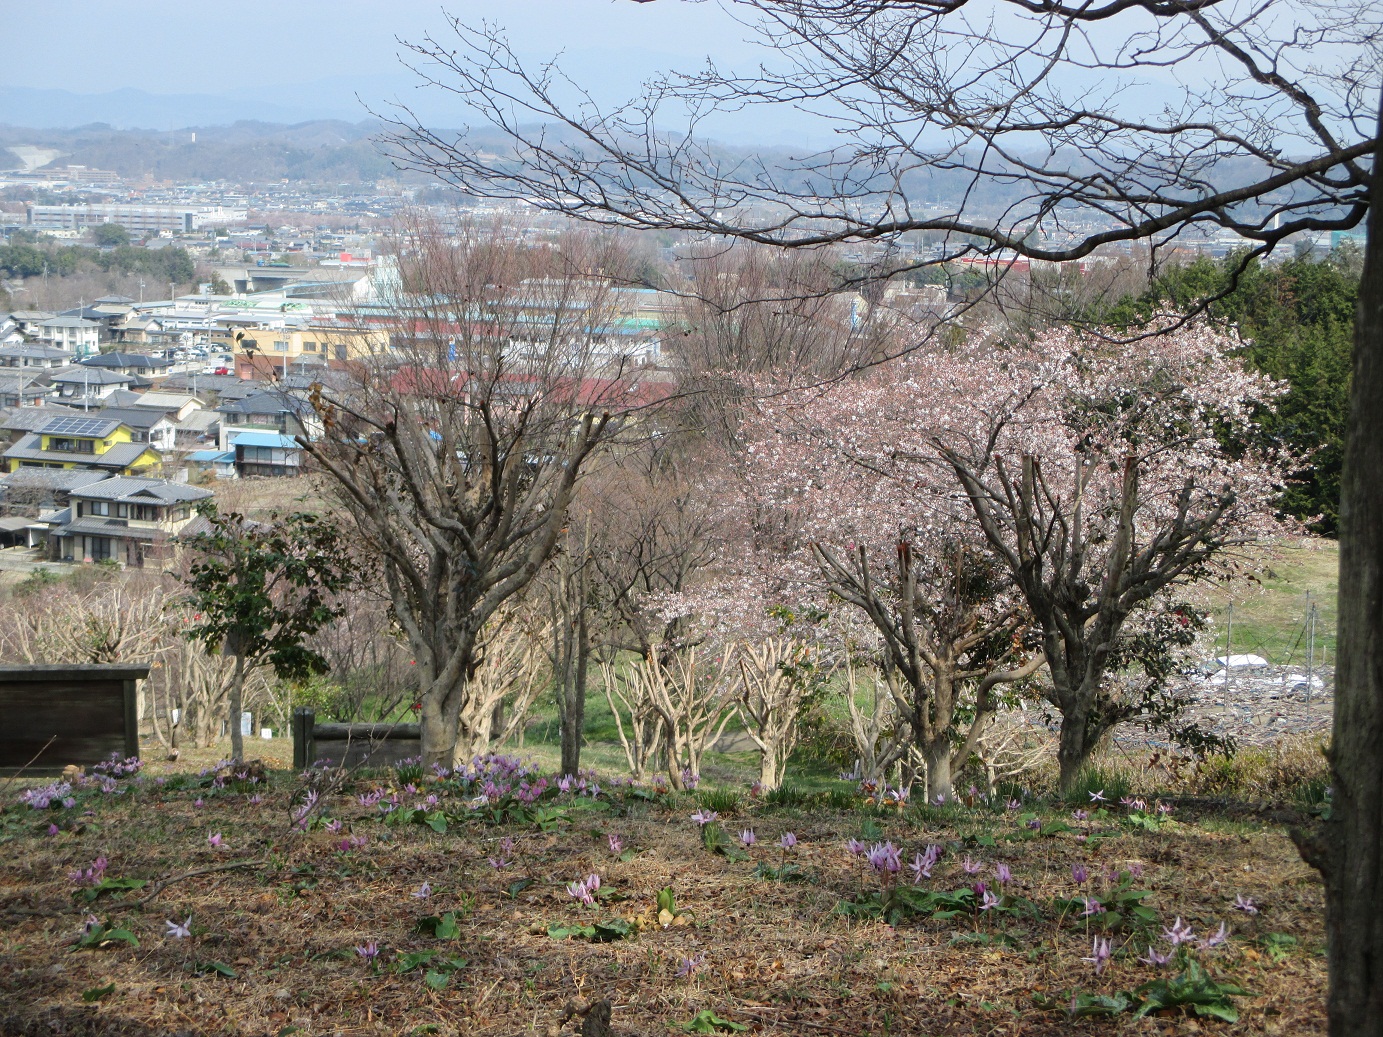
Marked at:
<point>55,715</point>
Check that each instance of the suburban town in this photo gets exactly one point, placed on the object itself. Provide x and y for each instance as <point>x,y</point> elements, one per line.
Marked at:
<point>599,518</point>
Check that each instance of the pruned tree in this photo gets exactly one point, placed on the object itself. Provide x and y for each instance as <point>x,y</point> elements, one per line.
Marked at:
<point>637,723</point>
<point>458,445</point>
<point>880,731</point>
<point>509,676</point>
<point>774,676</point>
<point>693,703</point>
<point>191,692</point>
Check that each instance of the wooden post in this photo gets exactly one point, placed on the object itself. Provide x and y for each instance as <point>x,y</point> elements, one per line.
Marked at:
<point>131,717</point>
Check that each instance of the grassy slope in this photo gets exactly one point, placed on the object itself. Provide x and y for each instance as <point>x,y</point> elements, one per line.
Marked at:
<point>1269,617</point>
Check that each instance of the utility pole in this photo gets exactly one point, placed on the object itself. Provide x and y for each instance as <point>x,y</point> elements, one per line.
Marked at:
<point>1310,649</point>
<point>1229,633</point>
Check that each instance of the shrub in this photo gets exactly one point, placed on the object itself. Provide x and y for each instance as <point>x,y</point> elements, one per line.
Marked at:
<point>1293,770</point>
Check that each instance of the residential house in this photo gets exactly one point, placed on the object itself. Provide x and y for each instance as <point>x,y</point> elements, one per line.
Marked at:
<point>20,387</point>
<point>178,406</point>
<point>31,492</point>
<point>83,386</point>
<point>128,520</point>
<point>83,441</point>
<point>136,365</point>
<point>266,454</point>
<point>146,425</point>
<point>220,463</point>
<point>34,355</point>
<point>29,320</point>
<point>269,410</point>
<point>20,421</point>
<point>75,334</point>
<point>10,334</point>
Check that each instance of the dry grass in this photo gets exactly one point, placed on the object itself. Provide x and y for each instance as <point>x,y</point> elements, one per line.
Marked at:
<point>776,956</point>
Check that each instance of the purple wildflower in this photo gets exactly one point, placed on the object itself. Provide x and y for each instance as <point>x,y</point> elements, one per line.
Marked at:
<point>856,847</point>
<point>971,867</point>
<point>885,858</point>
<point>1217,938</point>
<point>1013,805</point>
<point>53,829</point>
<point>1179,933</point>
<point>179,931</point>
<point>1155,957</point>
<point>748,837</point>
<point>1245,904</point>
<point>369,951</point>
<point>1099,954</point>
<point>1080,815</point>
<point>788,841</point>
<point>1092,907</point>
<point>1098,797</point>
<point>704,817</point>
<point>1003,873</point>
<point>689,966</point>
<point>989,901</point>
<point>616,844</point>
<point>422,892</point>
<point>579,891</point>
<point>1080,873</point>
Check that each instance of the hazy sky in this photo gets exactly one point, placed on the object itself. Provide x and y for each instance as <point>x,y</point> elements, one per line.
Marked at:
<point>314,58</point>
<point>182,46</point>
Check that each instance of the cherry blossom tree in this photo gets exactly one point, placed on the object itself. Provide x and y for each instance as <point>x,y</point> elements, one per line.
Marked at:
<point>895,544</point>
<point>1105,479</point>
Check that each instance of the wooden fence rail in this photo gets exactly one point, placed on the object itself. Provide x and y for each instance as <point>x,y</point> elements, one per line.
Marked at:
<point>350,745</point>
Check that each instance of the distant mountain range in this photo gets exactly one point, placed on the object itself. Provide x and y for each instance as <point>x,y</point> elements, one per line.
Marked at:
<point>136,109</point>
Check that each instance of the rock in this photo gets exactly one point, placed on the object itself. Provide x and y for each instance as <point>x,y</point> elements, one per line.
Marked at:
<point>597,1022</point>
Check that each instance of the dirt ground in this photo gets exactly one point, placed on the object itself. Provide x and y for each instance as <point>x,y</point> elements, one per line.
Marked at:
<point>283,922</point>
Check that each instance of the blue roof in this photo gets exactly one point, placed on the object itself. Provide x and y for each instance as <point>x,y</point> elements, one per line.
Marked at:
<point>211,456</point>
<point>269,439</point>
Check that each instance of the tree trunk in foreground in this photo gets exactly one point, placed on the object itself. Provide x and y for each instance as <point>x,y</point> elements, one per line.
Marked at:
<point>237,696</point>
<point>1349,848</point>
<point>1073,749</point>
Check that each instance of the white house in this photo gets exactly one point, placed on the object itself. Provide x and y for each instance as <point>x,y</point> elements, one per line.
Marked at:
<point>74,334</point>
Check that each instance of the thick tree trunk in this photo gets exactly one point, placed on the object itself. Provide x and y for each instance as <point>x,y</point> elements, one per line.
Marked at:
<point>572,695</point>
<point>1349,849</point>
<point>1073,750</point>
<point>938,756</point>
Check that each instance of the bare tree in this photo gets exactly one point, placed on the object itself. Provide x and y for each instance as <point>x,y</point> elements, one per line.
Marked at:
<point>880,729</point>
<point>503,685</point>
<point>774,676</point>
<point>459,446</point>
<point>637,722</point>
<point>693,703</point>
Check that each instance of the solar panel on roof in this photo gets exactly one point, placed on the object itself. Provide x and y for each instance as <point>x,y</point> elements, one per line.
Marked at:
<point>77,426</point>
